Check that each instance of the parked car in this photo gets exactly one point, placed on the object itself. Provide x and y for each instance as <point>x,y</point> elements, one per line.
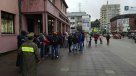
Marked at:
<point>111,35</point>
<point>117,36</point>
<point>104,35</point>
<point>134,37</point>
<point>131,36</point>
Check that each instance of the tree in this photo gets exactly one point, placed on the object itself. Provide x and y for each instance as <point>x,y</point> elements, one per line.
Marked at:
<point>95,23</point>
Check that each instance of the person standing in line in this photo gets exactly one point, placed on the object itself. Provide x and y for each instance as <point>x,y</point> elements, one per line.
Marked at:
<point>55,51</point>
<point>20,40</point>
<point>108,39</point>
<point>66,40</point>
<point>42,49</point>
<point>70,42</point>
<point>30,57</point>
<point>75,42</point>
<point>81,40</point>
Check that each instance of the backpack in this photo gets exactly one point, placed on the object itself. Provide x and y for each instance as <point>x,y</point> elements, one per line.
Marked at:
<point>21,39</point>
<point>55,40</point>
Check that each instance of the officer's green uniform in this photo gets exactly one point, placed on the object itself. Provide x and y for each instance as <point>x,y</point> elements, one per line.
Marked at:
<point>30,56</point>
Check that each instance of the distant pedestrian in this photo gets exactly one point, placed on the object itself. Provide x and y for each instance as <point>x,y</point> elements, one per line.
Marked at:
<point>87,38</point>
<point>90,41</point>
<point>96,36</point>
<point>108,39</point>
<point>101,37</point>
<point>70,42</point>
<point>30,57</point>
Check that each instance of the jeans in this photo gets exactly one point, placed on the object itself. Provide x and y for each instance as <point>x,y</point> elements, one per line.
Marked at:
<point>80,46</point>
<point>65,43</point>
<point>70,47</point>
<point>54,50</point>
<point>42,51</point>
<point>75,47</point>
<point>50,49</point>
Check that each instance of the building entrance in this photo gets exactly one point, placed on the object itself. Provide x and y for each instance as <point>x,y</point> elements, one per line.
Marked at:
<point>34,23</point>
<point>50,24</point>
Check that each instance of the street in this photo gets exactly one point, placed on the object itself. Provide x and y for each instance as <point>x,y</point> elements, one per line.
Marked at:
<point>117,59</point>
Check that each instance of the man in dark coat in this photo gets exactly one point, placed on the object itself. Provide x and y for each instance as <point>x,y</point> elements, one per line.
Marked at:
<point>30,57</point>
<point>108,38</point>
<point>55,51</point>
<point>70,42</point>
<point>20,40</point>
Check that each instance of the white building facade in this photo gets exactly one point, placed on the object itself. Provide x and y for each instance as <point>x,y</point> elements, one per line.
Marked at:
<point>79,19</point>
<point>106,13</point>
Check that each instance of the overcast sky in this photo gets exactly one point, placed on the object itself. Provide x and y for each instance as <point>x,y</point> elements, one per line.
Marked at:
<point>92,7</point>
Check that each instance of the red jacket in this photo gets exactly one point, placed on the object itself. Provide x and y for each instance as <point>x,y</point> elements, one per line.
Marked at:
<point>96,36</point>
<point>46,41</point>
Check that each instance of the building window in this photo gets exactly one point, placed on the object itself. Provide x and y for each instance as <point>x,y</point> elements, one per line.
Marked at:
<point>72,18</point>
<point>53,1</point>
<point>7,23</point>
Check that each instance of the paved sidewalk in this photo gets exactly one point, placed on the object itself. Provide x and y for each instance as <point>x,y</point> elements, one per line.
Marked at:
<point>94,61</point>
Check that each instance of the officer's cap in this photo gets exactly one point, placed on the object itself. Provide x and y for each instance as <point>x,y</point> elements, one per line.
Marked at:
<point>30,34</point>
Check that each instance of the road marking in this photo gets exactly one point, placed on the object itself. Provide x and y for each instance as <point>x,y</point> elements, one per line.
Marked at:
<point>109,71</point>
<point>64,69</point>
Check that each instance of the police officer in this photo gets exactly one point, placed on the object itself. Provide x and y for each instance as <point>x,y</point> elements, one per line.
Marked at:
<point>30,58</point>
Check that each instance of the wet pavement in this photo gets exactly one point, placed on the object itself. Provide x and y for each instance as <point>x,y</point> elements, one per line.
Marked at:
<point>100,60</point>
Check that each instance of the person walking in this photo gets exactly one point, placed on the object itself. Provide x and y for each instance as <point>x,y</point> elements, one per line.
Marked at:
<point>30,57</point>
<point>108,39</point>
<point>96,36</point>
<point>90,41</point>
<point>87,38</point>
<point>101,37</point>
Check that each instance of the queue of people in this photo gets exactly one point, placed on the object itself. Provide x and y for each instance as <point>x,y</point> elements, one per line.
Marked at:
<point>32,49</point>
<point>76,42</point>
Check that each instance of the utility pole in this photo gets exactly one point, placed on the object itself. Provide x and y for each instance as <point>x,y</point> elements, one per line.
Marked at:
<point>79,7</point>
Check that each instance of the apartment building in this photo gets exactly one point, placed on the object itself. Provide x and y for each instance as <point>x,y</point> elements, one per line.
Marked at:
<point>79,20</point>
<point>107,12</point>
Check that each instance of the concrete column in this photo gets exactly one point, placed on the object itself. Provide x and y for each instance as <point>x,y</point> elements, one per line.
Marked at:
<point>61,27</point>
<point>65,28</point>
<point>46,23</point>
<point>68,29</point>
<point>55,25</point>
<point>43,22</point>
<point>0,25</point>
